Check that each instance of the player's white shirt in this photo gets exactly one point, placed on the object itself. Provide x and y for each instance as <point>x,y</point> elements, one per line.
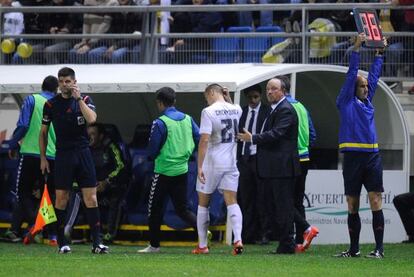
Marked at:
<point>220,120</point>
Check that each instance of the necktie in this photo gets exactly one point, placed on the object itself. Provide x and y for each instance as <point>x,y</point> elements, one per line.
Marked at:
<point>265,121</point>
<point>250,129</point>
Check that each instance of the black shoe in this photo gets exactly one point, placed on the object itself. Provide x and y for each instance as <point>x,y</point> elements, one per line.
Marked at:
<point>376,254</point>
<point>11,236</point>
<point>348,254</point>
<point>100,249</point>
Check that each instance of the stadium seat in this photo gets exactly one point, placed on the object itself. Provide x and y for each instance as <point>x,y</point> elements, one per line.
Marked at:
<point>270,29</point>
<point>199,58</point>
<point>240,29</point>
<point>254,48</point>
<point>226,49</point>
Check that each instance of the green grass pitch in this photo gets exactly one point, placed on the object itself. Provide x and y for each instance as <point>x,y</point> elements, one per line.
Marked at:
<point>43,260</point>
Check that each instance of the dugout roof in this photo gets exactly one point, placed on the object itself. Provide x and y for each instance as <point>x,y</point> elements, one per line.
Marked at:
<point>124,93</point>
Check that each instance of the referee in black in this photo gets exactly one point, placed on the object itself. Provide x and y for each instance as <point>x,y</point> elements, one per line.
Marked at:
<point>70,112</point>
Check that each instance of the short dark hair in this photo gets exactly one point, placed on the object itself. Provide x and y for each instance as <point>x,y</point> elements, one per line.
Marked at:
<point>99,126</point>
<point>256,87</point>
<point>214,87</point>
<point>65,72</point>
<point>50,83</point>
<point>166,96</point>
<point>285,82</point>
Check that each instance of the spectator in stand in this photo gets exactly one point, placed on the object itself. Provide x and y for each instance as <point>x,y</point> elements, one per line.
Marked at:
<point>313,14</point>
<point>179,22</point>
<point>320,47</point>
<point>199,22</point>
<point>164,18</point>
<point>13,24</point>
<point>34,24</point>
<point>408,14</point>
<point>89,50</point>
<point>394,52</point>
<point>246,18</point>
<point>343,18</point>
<point>120,48</point>
<point>229,18</point>
<point>407,26</point>
<point>61,23</point>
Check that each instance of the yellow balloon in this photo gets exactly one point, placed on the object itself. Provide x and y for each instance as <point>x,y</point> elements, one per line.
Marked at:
<point>8,46</point>
<point>24,50</point>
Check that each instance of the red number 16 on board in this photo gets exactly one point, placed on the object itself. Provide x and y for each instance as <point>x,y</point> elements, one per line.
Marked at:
<point>367,22</point>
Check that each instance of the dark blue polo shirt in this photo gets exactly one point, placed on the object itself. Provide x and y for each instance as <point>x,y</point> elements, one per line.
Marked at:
<point>68,121</point>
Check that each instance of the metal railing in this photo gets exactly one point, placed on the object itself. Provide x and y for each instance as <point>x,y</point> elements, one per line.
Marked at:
<point>220,47</point>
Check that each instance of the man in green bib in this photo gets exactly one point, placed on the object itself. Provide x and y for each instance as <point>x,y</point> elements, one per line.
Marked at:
<point>30,180</point>
<point>174,136</point>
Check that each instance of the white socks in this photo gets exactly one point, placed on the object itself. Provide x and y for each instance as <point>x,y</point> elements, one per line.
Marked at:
<point>236,218</point>
<point>203,221</point>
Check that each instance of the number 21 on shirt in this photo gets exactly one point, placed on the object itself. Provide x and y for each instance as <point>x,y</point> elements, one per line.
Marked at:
<point>229,131</point>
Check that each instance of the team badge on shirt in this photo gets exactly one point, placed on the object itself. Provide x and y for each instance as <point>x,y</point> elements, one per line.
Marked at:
<point>81,120</point>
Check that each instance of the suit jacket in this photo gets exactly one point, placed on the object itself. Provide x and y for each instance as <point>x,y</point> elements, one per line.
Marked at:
<point>277,145</point>
<point>264,112</point>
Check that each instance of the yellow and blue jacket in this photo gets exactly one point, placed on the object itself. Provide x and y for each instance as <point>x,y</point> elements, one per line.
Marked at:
<point>357,125</point>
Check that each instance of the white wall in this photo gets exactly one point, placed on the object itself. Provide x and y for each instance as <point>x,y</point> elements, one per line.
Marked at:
<point>328,210</point>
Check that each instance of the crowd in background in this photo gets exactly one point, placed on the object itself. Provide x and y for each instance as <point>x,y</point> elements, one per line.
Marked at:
<point>92,50</point>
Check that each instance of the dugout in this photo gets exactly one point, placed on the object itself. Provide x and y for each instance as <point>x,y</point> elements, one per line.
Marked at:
<point>124,95</point>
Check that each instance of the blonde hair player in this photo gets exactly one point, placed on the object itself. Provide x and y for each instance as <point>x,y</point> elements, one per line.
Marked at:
<point>217,168</point>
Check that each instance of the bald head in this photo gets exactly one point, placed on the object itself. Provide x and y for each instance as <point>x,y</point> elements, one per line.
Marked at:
<point>274,90</point>
<point>361,88</point>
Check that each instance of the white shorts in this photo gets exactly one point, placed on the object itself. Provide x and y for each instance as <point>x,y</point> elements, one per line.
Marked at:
<point>221,180</point>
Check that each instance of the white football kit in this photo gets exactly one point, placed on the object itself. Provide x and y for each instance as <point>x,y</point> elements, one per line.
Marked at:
<point>220,120</point>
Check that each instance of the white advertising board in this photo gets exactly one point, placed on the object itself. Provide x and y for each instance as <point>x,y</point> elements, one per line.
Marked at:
<point>328,207</point>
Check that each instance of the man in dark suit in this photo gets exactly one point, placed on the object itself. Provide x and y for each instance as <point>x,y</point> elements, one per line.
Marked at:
<point>278,160</point>
<point>256,220</point>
